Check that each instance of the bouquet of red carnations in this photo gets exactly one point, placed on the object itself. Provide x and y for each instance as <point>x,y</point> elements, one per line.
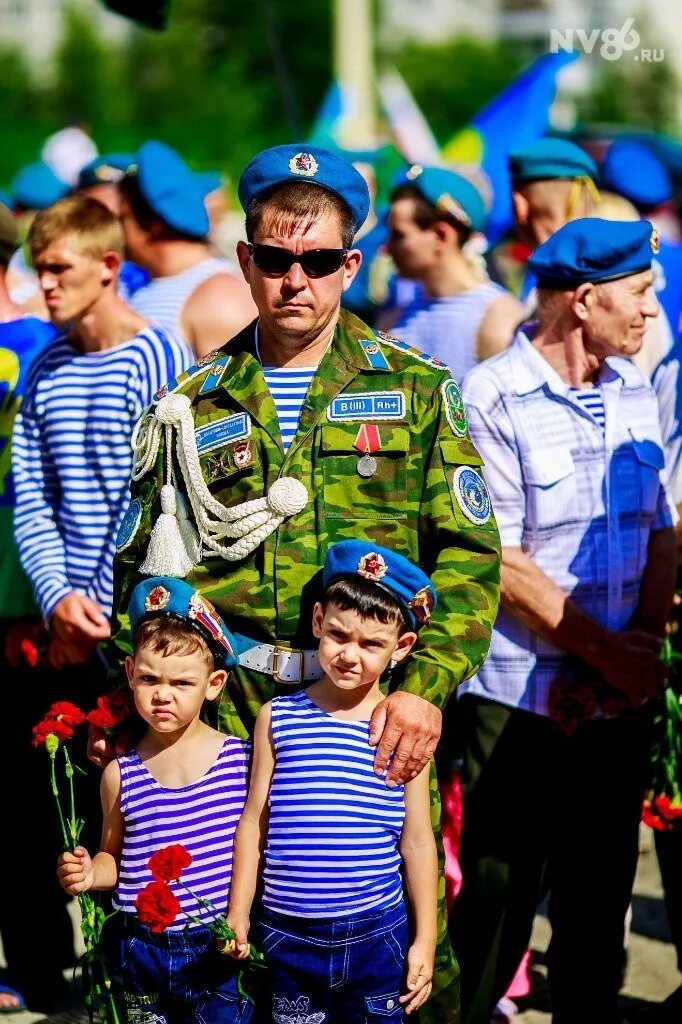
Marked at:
<point>53,733</point>
<point>157,905</point>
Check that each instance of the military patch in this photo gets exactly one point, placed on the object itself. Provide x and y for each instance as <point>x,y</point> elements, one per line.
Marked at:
<point>202,611</point>
<point>402,346</point>
<point>375,357</point>
<point>432,360</point>
<point>454,408</point>
<point>157,599</point>
<point>242,455</point>
<point>220,432</point>
<point>472,495</point>
<point>214,375</point>
<point>422,604</point>
<point>372,566</point>
<point>369,405</point>
<point>185,375</point>
<point>129,525</point>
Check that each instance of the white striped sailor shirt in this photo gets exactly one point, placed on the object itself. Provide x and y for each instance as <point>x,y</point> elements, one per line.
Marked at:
<point>579,500</point>
<point>71,458</point>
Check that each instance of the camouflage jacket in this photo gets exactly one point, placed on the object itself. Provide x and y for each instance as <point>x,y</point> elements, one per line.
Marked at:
<point>416,501</point>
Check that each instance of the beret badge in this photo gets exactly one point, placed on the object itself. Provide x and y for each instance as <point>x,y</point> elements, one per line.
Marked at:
<point>157,599</point>
<point>372,566</point>
<point>303,163</point>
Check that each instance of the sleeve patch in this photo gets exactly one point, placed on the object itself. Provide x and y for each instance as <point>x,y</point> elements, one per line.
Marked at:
<point>454,408</point>
<point>471,494</point>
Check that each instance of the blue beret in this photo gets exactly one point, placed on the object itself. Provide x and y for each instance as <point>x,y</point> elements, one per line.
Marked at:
<point>105,170</point>
<point>165,595</point>
<point>593,250</point>
<point>171,189</point>
<point>551,158</point>
<point>412,588</point>
<point>209,181</point>
<point>301,162</point>
<point>36,187</point>
<point>634,171</point>
<point>449,193</point>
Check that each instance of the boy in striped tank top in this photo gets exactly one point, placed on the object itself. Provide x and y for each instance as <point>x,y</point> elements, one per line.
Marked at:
<point>183,783</point>
<point>339,843</point>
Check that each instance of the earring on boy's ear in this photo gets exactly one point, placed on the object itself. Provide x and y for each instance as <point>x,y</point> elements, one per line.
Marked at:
<point>392,663</point>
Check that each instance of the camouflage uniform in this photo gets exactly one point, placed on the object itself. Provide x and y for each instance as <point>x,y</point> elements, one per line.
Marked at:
<point>409,504</point>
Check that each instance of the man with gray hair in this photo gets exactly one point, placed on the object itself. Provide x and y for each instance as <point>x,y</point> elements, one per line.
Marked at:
<point>555,723</point>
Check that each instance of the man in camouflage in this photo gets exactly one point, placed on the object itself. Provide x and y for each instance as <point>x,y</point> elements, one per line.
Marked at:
<point>381,448</point>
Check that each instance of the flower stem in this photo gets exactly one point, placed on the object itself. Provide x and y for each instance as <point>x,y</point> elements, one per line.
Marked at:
<point>55,793</point>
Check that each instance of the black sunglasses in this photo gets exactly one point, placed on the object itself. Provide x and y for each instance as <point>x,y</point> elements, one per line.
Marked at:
<point>314,263</point>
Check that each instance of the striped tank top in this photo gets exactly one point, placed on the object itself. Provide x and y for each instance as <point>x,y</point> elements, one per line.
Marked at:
<point>163,299</point>
<point>203,817</point>
<point>332,847</point>
<point>448,327</point>
<point>289,388</point>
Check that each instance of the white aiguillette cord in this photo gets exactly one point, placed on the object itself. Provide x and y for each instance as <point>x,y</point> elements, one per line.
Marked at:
<point>250,523</point>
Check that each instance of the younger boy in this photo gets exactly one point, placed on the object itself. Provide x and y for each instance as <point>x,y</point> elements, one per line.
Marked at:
<point>183,783</point>
<point>335,837</point>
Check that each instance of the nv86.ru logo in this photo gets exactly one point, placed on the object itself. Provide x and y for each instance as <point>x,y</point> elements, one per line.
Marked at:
<point>612,43</point>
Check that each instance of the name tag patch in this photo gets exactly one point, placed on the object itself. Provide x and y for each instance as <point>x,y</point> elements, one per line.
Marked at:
<point>376,405</point>
<point>221,432</point>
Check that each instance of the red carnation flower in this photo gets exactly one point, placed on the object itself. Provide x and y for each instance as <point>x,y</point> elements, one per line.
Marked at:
<point>29,652</point>
<point>51,727</point>
<point>157,906</point>
<point>111,710</point>
<point>651,818</point>
<point>65,711</point>
<point>167,864</point>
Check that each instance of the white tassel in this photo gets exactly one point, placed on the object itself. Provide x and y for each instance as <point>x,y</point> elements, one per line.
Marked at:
<point>190,537</point>
<point>166,553</point>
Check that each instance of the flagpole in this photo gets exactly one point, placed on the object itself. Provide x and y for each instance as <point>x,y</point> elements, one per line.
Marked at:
<point>354,70</point>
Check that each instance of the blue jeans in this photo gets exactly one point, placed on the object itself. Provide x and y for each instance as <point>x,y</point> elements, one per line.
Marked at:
<point>346,970</point>
<point>178,977</point>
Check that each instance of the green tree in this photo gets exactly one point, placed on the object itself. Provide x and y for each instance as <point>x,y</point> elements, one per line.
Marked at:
<point>644,95</point>
<point>453,81</point>
<point>87,81</point>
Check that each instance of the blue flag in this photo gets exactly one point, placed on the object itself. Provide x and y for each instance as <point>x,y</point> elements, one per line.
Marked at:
<point>518,116</point>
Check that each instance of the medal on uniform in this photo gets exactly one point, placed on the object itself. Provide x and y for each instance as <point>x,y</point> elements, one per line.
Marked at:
<point>367,442</point>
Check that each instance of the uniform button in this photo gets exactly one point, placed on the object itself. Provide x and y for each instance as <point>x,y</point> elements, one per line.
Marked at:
<point>390,1003</point>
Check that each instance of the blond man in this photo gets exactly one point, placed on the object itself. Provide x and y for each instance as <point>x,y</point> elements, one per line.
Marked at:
<point>71,450</point>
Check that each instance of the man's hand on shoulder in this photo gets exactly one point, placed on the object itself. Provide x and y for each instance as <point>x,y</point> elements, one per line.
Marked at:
<point>408,728</point>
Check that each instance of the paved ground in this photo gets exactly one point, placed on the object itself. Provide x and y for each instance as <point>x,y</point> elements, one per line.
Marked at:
<point>652,973</point>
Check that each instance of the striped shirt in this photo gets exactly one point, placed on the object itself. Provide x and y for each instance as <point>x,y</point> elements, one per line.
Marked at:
<point>71,458</point>
<point>580,501</point>
<point>447,327</point>
<point>592,401</point>
<point>163,299</point>
<point>332,847</point>
<point>202,817</point>
<point>288,388</point>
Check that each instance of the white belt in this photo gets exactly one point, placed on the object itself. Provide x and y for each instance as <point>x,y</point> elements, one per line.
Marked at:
<point>284,664</point>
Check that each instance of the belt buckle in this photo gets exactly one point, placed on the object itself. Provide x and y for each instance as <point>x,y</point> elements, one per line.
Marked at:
<point>292,652</point>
